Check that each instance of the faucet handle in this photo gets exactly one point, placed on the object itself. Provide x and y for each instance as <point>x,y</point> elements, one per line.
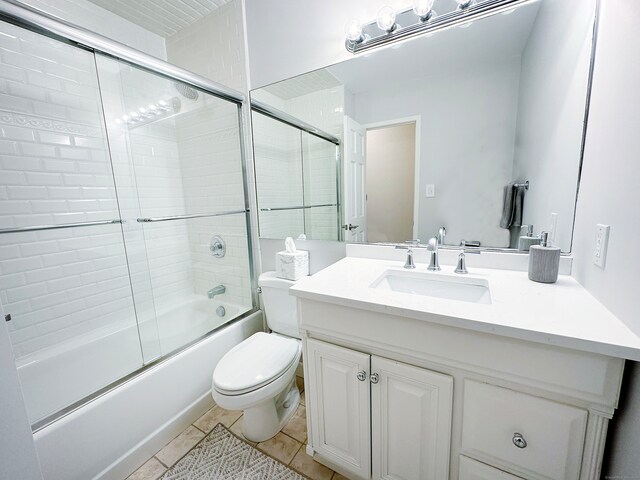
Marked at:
<point>462,264</point>
<point>432,245</point>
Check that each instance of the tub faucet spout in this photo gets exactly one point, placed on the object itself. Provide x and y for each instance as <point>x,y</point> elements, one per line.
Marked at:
<point>219,290</point>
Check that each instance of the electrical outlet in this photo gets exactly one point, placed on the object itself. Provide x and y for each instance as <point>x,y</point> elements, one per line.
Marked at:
<point>430,191</point>
<point>602,240</point>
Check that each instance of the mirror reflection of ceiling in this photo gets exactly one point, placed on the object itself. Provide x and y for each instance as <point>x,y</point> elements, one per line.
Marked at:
<point>489,40</point>
<point>162,17</point>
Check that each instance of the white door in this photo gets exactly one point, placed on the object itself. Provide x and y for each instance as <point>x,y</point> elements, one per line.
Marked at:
<point>355,200</point>
<point>410,421</point>
<point>340,406</point>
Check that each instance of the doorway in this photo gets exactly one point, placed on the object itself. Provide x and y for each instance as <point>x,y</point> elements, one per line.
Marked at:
<point>390,181</point>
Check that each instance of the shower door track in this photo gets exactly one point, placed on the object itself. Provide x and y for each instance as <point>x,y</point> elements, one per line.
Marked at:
<point>49,25</point>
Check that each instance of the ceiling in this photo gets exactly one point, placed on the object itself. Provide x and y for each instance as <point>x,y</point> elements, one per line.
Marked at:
<point>162,17</point>
<point>303,84</point>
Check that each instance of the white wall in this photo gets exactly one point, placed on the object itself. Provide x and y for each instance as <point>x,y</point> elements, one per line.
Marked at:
<point>551,113</point>
<point>609,194</point>
<point>459,140</point>
<point>289,37</point>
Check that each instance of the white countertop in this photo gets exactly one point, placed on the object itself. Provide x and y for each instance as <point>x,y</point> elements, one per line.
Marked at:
<point>563,314</point>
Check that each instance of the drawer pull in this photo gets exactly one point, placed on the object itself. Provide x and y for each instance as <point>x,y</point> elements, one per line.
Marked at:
<point>362,375</point>
<point>519,441</point>
<point>374,378</point>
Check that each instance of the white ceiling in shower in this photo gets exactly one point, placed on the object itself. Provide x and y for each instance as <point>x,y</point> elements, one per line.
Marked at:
<point>162,17</point>
<point>304,84</point>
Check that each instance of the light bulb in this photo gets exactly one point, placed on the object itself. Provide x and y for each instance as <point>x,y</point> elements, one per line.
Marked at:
<point>462,4</point>
<point>423,8</point>
<point>386,19</point>
<point>353,31</point>
<point>125,118</point>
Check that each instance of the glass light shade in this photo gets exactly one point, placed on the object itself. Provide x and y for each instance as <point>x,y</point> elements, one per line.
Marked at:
<point>353,31</point>
<point>386,19</point>
<point>422,8</point>
<point>464,3</point>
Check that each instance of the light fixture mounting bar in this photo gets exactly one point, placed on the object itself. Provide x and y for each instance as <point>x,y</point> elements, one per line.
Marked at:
<point>408,24</point>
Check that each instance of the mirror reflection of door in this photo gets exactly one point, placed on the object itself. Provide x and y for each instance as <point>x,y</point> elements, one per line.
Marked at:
<point>355,203</point>
<point>391,159</point>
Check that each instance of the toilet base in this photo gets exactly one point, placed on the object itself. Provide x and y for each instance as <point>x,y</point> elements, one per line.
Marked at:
<point>266,419</point>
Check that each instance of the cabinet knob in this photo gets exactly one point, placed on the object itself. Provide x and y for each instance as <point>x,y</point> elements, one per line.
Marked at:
<point>362,375</point>
<point>374,378</point>
<point>519,441</point>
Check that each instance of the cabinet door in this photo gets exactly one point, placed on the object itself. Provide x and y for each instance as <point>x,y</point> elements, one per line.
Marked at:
<point>340,406</point>
<point>410,420</point>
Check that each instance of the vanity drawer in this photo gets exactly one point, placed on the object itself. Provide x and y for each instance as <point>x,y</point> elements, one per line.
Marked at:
<point>535,437</point>
<point>473,470</point>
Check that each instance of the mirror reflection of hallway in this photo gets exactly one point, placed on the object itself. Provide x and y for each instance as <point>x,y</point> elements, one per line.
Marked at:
<point>391,157</point>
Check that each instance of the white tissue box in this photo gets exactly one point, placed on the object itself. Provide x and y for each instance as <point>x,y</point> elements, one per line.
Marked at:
<point>292,266</point>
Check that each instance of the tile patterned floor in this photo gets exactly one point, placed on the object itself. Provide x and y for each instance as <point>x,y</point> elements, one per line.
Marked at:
<point>288,446</point>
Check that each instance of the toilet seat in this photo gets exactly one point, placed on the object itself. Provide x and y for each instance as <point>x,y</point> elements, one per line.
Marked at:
<point>254,363</point>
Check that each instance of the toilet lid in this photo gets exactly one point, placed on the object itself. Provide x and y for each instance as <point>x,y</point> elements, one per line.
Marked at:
<point>255,362</point>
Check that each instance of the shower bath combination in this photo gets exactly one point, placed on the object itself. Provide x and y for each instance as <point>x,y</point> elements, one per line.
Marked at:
<point>91,296</point>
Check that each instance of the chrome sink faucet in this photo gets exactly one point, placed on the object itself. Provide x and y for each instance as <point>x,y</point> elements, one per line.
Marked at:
<point>219,290</point>
<point>432,247</point>
<point>409,263</point>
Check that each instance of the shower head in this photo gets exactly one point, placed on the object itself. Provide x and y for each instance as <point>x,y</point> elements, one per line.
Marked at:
<point>186,91</point>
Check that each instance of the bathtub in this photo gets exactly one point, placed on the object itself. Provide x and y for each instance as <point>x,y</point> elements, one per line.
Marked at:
<point>57,377</point>
<point>109,437</point>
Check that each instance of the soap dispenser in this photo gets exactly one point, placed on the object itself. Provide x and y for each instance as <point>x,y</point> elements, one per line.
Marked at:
<point>525,241</point>
<point>544,261</point>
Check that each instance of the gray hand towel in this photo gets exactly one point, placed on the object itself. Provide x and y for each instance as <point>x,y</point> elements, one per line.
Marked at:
<point>513,204</point>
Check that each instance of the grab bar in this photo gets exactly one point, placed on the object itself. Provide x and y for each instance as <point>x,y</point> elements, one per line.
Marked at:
<point>301,207</point>
<point>187,217</point>
<point>56,227</point>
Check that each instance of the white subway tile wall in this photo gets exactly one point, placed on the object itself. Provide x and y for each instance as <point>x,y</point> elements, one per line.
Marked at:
<point>68,287</point>
<point>213,47</point>
<point>58,285</point>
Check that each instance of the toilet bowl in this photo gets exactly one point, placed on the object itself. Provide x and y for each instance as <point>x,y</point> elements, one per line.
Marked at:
<point>258,375</point>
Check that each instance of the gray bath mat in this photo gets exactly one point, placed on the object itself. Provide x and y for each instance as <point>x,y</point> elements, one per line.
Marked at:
<point>223,456</point>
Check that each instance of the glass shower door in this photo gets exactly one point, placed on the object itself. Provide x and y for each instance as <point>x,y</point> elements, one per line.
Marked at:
<point>320,169</point>
<point>64,280</point>
<point>178,171</point>
<point>278,160</point>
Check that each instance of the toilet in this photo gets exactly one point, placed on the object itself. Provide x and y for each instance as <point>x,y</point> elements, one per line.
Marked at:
<point>259,375</point>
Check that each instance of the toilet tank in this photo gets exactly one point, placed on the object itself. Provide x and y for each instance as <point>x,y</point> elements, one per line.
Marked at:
<point>279,306</point>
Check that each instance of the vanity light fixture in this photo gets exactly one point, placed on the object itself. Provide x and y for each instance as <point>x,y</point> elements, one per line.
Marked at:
<point>151,112</point>
<point>462,4</point>
<point>386,19</point>
<point>392,26</point>
<point>423,9</point>
<point>353,31</point>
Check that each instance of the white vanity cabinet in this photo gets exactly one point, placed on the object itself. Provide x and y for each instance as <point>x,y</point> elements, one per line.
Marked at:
<point>395,397</point>
<point>377,418</point>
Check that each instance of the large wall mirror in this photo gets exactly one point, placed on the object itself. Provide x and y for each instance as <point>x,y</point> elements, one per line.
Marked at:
<point>476,128</point>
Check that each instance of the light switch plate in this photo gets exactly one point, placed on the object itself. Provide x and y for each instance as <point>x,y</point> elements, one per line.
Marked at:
<point>430,191</point>
<point>602,241</point>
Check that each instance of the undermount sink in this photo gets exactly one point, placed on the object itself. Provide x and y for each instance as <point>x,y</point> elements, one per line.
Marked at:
<point>465,289</point>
